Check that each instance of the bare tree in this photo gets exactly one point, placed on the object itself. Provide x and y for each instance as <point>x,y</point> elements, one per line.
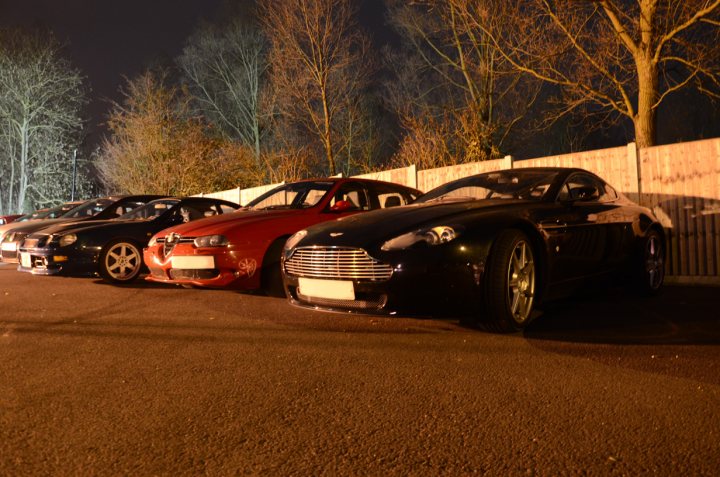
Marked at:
<point>618,58</point>
<point>41,96</point>
<point>226,67</point>
<point>319,66</point>
<point>449,75</point>
<point>157,146</point>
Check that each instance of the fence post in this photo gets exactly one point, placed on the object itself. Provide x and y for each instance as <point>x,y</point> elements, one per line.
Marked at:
<point>412,176</point>
<point>634,161</point>
<point>508,162</point>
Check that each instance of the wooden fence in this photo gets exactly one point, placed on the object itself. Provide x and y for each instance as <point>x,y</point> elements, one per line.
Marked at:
<point>679,182</point>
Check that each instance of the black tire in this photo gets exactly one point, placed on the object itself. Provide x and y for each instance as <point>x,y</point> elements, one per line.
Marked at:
<point>650,264</point>
<point>120,261</point>
<point>270,273</point>
<point>510,283</point>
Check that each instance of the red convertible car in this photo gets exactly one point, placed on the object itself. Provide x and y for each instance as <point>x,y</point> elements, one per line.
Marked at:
<point>242,249</point>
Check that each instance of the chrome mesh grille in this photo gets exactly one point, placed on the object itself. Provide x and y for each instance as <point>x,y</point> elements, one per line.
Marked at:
<point>336,263</point>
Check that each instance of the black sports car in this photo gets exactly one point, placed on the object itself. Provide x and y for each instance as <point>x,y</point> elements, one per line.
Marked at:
<point>494,244</point>
<point>111,248</point>
<point>94,209</point>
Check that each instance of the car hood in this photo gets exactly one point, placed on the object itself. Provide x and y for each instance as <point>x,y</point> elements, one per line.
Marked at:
<point>363,230</point>
<point>78,227</point>
<point>221,224</point>
<point>36,225</point>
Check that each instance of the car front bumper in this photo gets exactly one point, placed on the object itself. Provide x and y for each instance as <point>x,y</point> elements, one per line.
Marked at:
<point>221,267</point>
<point>419,285</point>
<point>53,261</point>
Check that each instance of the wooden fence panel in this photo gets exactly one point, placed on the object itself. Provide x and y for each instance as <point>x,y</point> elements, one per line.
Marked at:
<point>406,176</point>
<point>617,165</point>
<point>681,183</point>
<point>246,195</point>
<point>431,178</point>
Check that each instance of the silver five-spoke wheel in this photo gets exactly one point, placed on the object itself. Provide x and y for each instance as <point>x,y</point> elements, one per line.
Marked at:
<point>120,262</point>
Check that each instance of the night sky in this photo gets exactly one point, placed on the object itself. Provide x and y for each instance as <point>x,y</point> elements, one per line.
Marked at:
<point>109,40</point>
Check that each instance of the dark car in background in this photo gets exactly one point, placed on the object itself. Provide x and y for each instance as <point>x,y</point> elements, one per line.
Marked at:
<point>6,219</point>
<point>95,209</point>
<point>40,214</point>
<point>490,247</point>
<point>242,250</point>
<point>111,248</point>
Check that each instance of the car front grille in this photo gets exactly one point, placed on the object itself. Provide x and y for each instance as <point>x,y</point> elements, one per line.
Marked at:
<point>336,263</point>
<point>369,302</point>
<point>187,274</point>
<point>169,241</point>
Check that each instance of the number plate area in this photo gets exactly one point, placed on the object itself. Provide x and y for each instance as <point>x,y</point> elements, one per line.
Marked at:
<point>25,260</point>
<point>193,262</point>
<point>332,289</point>
<point>9,246</point>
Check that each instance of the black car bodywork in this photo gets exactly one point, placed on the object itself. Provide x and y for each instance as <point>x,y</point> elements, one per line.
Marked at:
<point>111,248</point>
<point>490,247</point>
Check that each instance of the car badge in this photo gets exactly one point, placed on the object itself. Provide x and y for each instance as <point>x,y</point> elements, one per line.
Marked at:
<point>172,237</point>
<point>335,234</point>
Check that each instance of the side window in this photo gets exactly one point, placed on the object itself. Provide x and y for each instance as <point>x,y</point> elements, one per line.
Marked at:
<point>195,211</point>
<point>586,188</point>
<point>224,209</point>
<point>387,196</point>
<point>127,207</point>
<point>350,197</point>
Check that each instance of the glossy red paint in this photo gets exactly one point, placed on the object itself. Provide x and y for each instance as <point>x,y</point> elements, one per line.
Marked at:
<point>6,219</point>
<point>252,238</point>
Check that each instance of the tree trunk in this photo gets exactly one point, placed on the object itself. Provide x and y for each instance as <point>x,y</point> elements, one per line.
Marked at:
<point>645,117</point>
<point>327,139</point>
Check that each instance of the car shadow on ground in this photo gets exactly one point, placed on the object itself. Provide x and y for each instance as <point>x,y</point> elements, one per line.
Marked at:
<point>678,315</point>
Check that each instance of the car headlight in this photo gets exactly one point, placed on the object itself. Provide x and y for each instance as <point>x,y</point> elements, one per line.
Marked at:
<point>430,236</point>
<point>152,242</point>
<point>294,239</point>
<point>211,241</point>
<point>66,240</point>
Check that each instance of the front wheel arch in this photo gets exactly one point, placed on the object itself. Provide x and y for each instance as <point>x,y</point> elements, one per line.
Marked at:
<point>270,273</point>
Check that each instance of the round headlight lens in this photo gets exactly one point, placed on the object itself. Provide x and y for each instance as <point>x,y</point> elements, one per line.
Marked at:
<point>438,235</point>
<point>211,241</point>
<point>68,239</point>
<point>434,236</point>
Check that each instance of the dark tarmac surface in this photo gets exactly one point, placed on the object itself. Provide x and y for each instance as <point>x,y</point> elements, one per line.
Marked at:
<point>156,380</point>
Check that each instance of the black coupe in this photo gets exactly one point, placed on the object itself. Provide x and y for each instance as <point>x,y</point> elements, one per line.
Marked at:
<point>111,248</point>
<point>494,244</point>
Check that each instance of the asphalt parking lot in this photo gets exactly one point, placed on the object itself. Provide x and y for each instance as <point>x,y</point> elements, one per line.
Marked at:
<point>156,380</point>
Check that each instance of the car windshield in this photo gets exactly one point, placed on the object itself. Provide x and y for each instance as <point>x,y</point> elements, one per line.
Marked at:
<point>88,209</point>
<point>57,211</point>
<point>516,184</point>
<point>150,210</point>
<point>298,195</point>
